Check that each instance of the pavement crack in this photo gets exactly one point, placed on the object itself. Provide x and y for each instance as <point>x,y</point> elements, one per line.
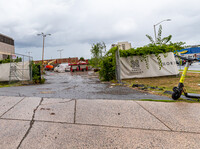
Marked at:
<point>75,111</point>
<point>154,116</point>
<point>66,101</point>
<point>59,102</point>
<point>31,124</point>
<point>11,108</point>
<point>118,127</point>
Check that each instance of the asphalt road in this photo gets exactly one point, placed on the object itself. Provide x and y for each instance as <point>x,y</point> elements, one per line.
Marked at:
<point>77,85</point>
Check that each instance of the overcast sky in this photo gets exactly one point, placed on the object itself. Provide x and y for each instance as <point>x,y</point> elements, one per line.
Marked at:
<point>76,24</point>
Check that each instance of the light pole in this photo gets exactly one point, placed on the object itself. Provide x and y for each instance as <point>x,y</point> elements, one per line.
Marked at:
<point>158,24</point>
<point>43,35</point>
<point>29,53</point>
<point>60,52</point>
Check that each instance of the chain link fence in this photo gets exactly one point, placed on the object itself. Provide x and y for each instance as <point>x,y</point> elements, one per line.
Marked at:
<point>20,68</point>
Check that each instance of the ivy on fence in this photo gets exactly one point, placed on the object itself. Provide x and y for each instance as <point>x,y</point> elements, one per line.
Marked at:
<point>108,62</point>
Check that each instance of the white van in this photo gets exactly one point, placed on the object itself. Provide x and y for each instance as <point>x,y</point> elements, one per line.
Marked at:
<point>62,67</point>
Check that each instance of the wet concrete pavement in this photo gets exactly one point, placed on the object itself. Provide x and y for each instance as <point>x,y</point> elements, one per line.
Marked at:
<point>78,85</point>
<point>52,123</point>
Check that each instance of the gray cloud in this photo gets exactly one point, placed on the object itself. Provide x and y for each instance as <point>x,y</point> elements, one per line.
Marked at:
<point>76,24</point>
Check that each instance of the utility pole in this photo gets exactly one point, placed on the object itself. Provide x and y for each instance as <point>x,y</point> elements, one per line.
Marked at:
<point>43,35</point>
<point>29,53</point>
<point>60,52</point>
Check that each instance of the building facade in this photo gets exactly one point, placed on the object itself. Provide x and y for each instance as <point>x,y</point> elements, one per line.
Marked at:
<point>7,46</point>
<point>122,45</point>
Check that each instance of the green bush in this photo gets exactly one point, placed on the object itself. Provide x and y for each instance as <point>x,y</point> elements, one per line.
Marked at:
<point>42,80</point>
<point>36,75</point>
<point>148,50</point>
<point>108,65</point>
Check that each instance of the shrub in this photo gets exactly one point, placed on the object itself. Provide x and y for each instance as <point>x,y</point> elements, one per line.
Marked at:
<point>108,65</point>
<point>148,50</point>
<point>42,80</point>
<point>36,74</point>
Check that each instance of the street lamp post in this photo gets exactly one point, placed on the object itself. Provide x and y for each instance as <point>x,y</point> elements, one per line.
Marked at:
<point>43,35</point>
<point>158,24</point>
<point>29,53</point>
<point>60,52</point>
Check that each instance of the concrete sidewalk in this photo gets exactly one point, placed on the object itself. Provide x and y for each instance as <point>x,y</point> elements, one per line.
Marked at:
<point>49,123</point>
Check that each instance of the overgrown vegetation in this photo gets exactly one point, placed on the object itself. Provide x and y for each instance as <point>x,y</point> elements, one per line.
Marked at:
<point>158,46</point>
<point>145,51</point>
<point>108,65</point>
<point>159,40</point>
<point>36,74</point>
<point>108,62</point>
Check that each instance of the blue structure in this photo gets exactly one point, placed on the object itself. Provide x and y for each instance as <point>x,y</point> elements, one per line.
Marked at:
<point>191,52</point>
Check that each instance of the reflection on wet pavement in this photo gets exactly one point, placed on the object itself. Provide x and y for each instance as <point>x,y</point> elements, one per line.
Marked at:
<point>76,85</point>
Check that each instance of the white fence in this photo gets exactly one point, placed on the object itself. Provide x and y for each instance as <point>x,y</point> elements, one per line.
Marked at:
<point>133,67</point>
<point>16,71</point>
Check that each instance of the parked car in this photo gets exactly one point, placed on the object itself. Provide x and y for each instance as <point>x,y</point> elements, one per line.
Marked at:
<point>180,62</point>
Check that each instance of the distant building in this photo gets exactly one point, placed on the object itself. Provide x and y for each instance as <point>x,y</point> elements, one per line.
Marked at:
<point>193,52</point>
<point>6,46</point>
<point>122,45</point>
<point>59,61</point>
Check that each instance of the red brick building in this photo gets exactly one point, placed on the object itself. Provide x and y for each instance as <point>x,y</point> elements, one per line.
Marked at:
<point>59,61</point>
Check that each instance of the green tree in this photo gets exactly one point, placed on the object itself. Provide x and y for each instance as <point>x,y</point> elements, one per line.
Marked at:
<point>159,40</point>
<point>81,59</point>
<point>97,53</point>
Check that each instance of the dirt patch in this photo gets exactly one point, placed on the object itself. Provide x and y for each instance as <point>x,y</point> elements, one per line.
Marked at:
<point>47,92</point>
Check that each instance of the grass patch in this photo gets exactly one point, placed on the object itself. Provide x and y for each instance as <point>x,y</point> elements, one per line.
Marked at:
<point>190,70</point>
<point>157,100</point>
<point>167,83</point>
<point>10,84</point>
<point>179,100</point>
